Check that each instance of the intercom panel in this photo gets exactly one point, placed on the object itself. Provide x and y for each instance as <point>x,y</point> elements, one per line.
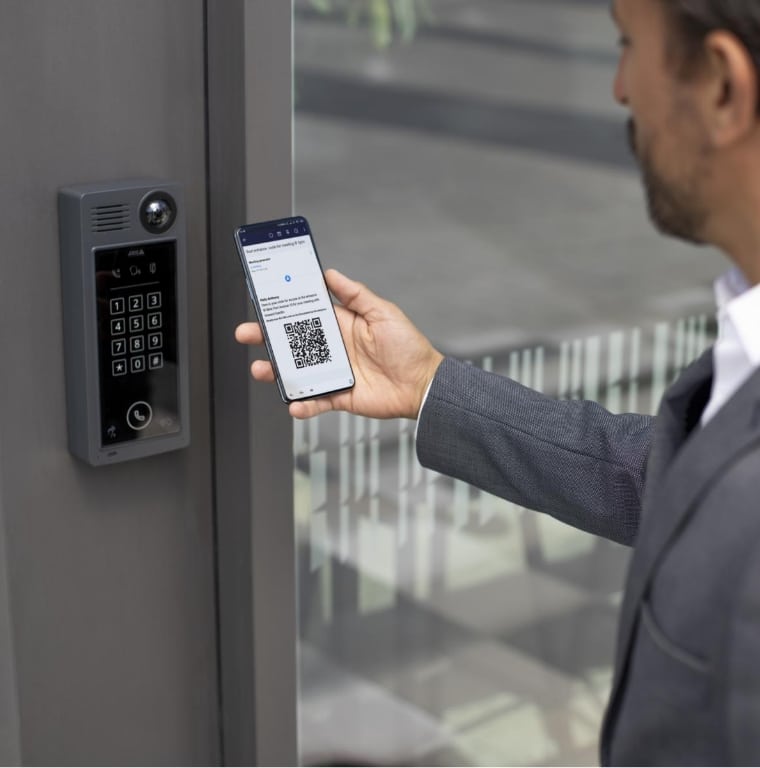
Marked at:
<point>123,269</point>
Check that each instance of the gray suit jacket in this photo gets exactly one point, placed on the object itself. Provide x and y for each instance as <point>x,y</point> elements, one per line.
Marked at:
<point>686,688</point>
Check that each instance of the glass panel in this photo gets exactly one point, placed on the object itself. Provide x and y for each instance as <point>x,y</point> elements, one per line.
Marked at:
<point>466,160</point>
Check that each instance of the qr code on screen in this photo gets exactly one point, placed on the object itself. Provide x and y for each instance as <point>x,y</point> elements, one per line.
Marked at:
<point>308,344</point>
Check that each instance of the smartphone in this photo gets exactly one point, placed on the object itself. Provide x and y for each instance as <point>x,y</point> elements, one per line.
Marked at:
<point>290,296</point>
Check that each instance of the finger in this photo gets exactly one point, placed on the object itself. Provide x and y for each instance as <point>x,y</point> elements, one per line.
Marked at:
<point>262,370</point>
<point>307,409</point>
<point>352,295</point>
<point>249,333</point>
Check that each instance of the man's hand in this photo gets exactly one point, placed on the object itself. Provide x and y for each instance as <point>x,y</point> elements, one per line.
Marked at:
<point>393,362</point>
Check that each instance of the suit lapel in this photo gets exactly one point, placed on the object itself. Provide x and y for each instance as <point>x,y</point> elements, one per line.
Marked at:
<point>677,436</point>
<point>687,464</point>
<point>683,463</point>
<point>674,419</point>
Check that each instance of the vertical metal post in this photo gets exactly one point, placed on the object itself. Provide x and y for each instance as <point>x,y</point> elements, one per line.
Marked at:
<point>249,71</point>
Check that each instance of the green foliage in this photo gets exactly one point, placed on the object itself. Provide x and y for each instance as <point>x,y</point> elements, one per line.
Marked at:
<point>387,19</point>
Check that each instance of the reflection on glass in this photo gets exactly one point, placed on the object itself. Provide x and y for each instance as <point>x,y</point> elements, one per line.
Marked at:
<point>478,176</point>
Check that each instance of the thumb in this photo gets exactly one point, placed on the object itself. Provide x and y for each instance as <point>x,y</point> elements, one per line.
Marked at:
<point>354,296</point>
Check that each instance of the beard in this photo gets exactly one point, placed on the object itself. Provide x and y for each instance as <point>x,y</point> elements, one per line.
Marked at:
<point>674,207</point>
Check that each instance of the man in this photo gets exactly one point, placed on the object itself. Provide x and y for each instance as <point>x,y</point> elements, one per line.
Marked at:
<point>684,488</point>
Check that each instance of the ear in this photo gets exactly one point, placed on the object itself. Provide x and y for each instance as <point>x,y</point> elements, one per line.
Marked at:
<point>730,85</point>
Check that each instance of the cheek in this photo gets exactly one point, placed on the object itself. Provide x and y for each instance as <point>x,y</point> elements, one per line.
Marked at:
<point>646,88</point>
<point>654,129</point>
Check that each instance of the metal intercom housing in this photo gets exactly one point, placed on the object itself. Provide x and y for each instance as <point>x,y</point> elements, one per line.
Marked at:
<point>124,282</point>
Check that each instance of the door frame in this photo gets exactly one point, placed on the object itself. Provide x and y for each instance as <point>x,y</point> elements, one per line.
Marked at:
<point>249,64</point>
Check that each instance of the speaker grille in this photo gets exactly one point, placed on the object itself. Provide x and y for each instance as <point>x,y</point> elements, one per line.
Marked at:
<point>110,218</point>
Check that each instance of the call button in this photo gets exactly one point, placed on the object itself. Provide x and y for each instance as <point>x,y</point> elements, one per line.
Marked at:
<point>139,415</point>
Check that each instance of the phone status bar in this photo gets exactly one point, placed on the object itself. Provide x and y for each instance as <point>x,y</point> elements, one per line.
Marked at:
<point>281,229</point>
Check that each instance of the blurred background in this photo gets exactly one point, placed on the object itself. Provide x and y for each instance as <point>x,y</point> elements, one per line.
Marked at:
<point>466,160</point>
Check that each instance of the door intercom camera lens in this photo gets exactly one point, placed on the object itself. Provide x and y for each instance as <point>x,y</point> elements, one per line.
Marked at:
<point>157,212</point>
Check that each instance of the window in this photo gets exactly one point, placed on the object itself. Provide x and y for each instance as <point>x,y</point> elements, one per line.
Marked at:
<point>467,161</point>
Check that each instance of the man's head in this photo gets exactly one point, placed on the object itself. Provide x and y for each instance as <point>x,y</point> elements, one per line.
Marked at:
<point>688,73</point>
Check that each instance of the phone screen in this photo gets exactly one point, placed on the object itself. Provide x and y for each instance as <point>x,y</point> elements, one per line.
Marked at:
<point>293,305</point>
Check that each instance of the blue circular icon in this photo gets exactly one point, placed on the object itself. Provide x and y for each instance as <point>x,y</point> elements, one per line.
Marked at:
<point>288,278</point>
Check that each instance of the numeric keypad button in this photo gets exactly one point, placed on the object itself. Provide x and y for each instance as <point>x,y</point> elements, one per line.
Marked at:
<point>136,303</point>
<point>155,340</point>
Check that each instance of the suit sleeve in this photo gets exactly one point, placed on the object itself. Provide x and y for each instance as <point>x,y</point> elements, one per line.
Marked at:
<point>571,459</point>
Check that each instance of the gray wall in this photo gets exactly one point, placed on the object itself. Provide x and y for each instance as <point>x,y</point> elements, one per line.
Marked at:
<point>107,611</point>
<point>9,727</point>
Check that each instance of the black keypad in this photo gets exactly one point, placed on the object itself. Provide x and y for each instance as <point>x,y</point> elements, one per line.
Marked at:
<point>137,341</point>
<point>129,321</point>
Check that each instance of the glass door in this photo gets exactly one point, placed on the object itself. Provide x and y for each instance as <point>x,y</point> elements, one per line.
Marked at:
<point>467,161</point>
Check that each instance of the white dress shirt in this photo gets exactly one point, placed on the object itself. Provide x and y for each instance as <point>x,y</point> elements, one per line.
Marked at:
<point>736,353</point>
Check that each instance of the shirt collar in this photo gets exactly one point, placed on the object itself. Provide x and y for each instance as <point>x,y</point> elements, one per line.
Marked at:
<point>730,285</point>
<point>739,303</point>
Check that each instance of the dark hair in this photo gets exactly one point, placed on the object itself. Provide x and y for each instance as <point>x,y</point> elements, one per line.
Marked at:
<point>693,20</point>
